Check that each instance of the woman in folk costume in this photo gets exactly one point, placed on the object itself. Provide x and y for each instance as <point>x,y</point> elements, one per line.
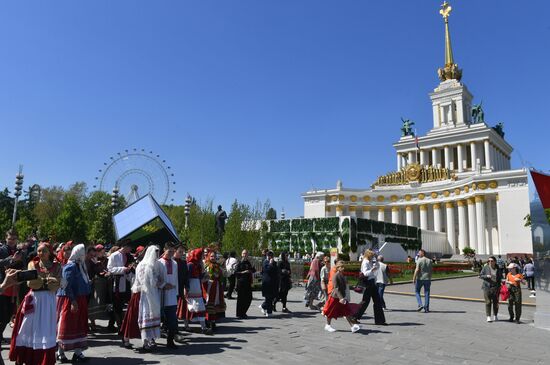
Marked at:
<point>33,340</point>
<point>196,309</point>
<point>72,307</point>
<point>215,304</point>
<point>149,280</point>
<point>313,287</point>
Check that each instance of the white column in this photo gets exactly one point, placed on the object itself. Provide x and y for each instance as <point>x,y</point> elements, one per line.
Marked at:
<point>435,157</point>
<point>424,216</point>
<point>462,227</point>
<point>489,208</point>
<point>474,155</point>
<point>498,249</point>
<point>409,215</point>
<point>423,157</point>
<point>437,217</point>
<point>460,157</point>
<point>480,215</point>
<point>492,156</point>
<point>366,212</point>
<point>411,157</point>
<point>451,232</point>
<point>487,148</point>
<point>447,154</point>
<point>472,222</point>
<point>395,215</point>
<point>398,161</point>
<point>339,210</point>
<point>352,211</point>
<point>381,214</point>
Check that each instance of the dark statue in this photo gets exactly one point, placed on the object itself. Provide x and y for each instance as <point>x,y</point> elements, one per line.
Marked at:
<point>406,130</point>
<point>499,128</point>
<point>478,116</point>
<point>221,216</point>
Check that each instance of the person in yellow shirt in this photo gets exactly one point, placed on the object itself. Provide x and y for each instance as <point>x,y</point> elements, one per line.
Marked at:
<point>514,280</point>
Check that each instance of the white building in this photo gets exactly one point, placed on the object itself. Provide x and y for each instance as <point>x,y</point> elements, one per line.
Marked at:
<point>456,179</point>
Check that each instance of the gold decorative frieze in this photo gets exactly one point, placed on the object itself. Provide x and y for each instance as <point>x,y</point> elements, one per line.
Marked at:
<point>341,197</point>
<point>471,201</point>
<point>366,209</point>
<point>474,186</point>
<point>466,189</point>
<point>394,198</point>
<point>421,196</point>
<point>334,198</point>
<point>408,197</point>
<point>423,207</point>
<point>414,173</point>
<point>380,198</point>
<point>457,191</point>
<point>446,193</point>
<point>409,208</point>
<point>395,209</point>
<point>437,206</point>
<point>493,184</point>
<point>434,195</point>
<point>480,199</point>
<point>352,208</point>
<point>461,203</point>
<point>366,199</point>
<point>482,185</point>
<point>339,208</point>
<point>381,209</point>
<point>449,205</point>
<point>353,198</point>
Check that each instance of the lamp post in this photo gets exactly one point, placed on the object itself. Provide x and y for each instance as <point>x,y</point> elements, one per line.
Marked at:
<point>18,188</point>
<point>187,210</point>
<point>283,215</point>
<point>114,199</point>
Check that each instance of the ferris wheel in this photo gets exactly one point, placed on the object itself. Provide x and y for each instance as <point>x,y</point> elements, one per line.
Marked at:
<point>136,173</point>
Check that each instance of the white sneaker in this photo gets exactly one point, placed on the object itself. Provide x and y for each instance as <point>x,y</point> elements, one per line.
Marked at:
<point>266,314</point>
<point>355,328</point>
<point>263,310</point>
<point>495,318</point>
<point>489,319</point>
<point>329,328</point>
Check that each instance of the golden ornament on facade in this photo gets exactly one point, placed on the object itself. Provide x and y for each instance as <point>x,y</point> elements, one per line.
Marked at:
<point>394,198</point>
<point>409,208</point>
<point>471,201</point>
<point>380,198</point>
<point>423,207</point>
<point>493,184</point>
<point>327,208</point>
<point>449,205</point>
<point>353,198</point>
<point>395,209</point>
<point>434,195</point>
<point>334,198</point>
<point>437,206</point>
<point>414,173</point>
<point>466,189</point>
<point>408,197</point>
<point>457,191</point>
<point>474,186</point>
<point>341,197</point>
<point>366,209</point>
<point>482,185</point>
<point>461,203</point>
<point>339,208</point>
<point>352,208</point>
<point>366,199</point>
<point>480,199</point>
<point>446,193</point>
<point>421,196</point>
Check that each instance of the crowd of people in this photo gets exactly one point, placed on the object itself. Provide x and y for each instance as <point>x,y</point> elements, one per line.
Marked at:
<point>144,292</point>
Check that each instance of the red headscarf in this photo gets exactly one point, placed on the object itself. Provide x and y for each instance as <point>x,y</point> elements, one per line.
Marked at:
<point>60,257</point>
<point>195,257</point>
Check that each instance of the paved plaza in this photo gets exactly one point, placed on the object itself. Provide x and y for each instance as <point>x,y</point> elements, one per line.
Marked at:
<point>455,332</point>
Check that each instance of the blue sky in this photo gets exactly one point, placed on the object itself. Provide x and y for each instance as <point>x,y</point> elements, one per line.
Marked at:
<point>253,99</point>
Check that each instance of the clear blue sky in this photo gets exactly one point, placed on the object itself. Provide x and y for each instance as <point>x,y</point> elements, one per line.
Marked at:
<point>253,99</point>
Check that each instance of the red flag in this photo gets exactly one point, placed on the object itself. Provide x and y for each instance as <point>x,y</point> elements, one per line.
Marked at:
<point>542,183</point>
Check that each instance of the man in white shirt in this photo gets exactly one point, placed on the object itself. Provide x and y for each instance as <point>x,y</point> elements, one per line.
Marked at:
<point>117,265</point>
<point>230,266</point>
<point>170,292</point>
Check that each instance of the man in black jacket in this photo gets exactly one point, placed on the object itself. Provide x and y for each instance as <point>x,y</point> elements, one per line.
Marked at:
<point>10,258</point>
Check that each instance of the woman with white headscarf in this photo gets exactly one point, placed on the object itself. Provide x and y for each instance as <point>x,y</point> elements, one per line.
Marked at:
<point>72,304</point>
<point>149,280</point>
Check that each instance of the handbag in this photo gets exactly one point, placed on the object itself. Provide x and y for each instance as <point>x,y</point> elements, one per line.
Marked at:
<point>360,287</point>
<point>504,292</point>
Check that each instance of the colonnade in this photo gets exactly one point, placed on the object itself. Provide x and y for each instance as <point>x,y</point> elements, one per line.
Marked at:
<point>468,222</point>
<point>458,157</point>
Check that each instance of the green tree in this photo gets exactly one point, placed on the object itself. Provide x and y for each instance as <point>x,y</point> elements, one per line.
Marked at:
<point>70,224</point>
<point>98,216</point>
<point>271,214</point>
<point>47,210</point>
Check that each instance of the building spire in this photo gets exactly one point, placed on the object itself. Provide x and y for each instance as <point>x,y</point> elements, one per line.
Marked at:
<point>451,70</point>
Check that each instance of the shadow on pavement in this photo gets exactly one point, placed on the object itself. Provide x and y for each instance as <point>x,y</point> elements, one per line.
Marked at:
<point>119,361</point>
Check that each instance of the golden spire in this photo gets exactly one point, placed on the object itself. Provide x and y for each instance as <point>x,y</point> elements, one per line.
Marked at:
<point>451,70</point>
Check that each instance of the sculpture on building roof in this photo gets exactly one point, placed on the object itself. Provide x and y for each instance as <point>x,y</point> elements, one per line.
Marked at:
<point>478,116</point>
<point>450,71</point>
<point>406,129</point>
<point>499,128</point>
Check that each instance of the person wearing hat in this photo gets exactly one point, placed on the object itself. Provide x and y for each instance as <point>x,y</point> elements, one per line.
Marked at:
<point>514,280</point>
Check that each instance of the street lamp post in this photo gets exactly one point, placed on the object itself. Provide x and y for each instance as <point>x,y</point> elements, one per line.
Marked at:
<point>187,210</point>
<point>18,188</point>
